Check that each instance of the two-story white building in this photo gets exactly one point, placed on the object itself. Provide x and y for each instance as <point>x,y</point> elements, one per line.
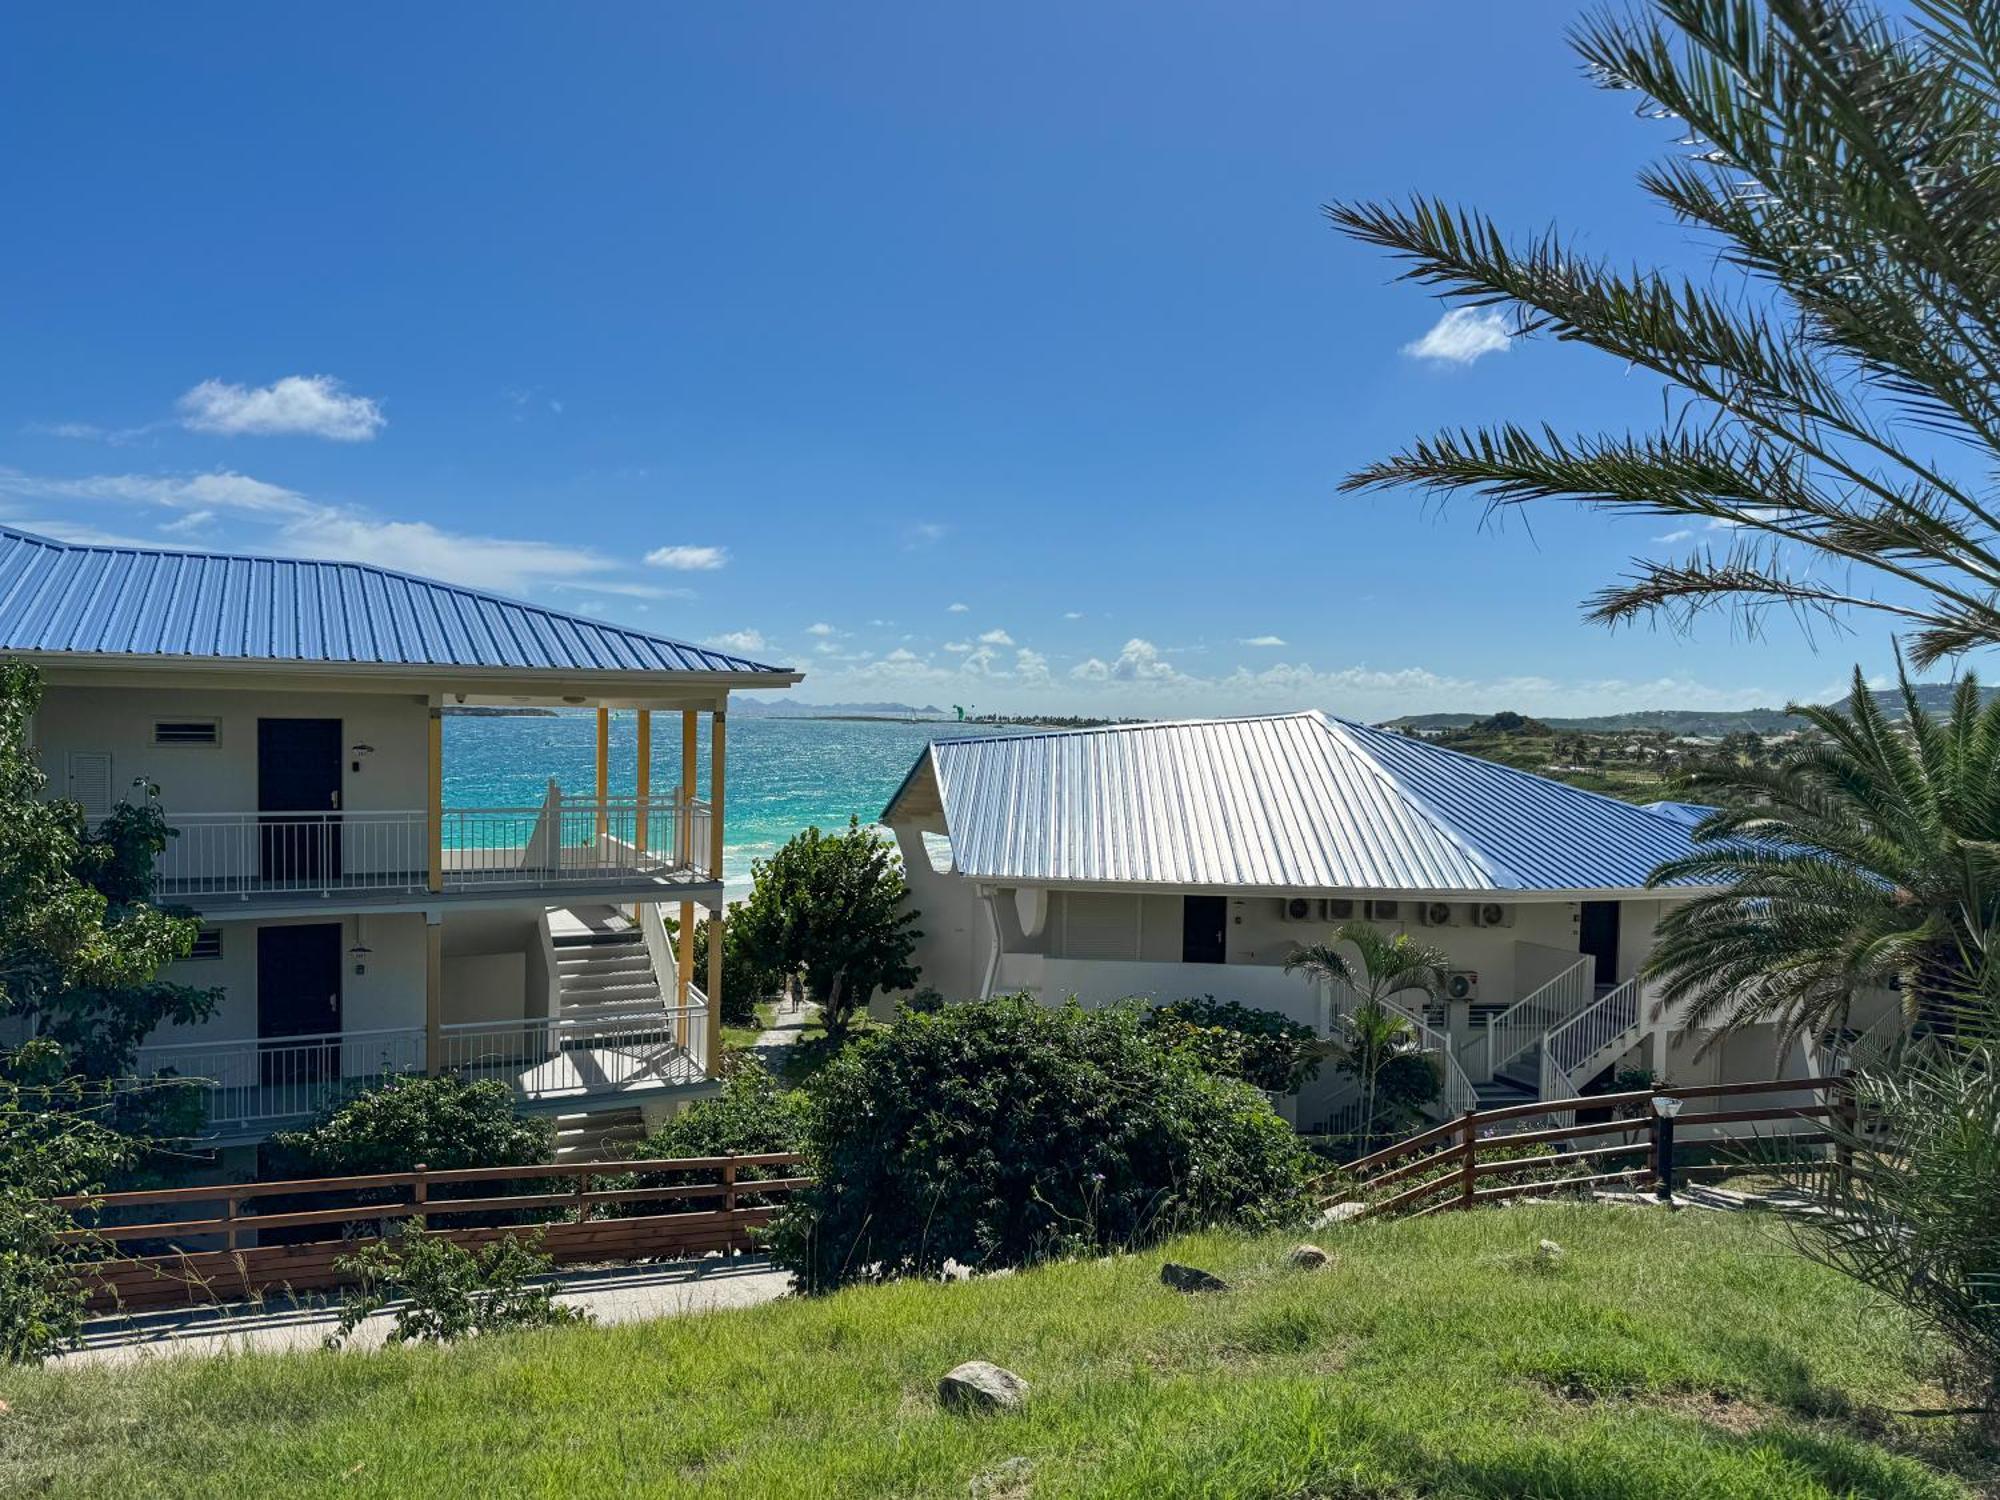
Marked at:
<point>1170,861</point>
<point>288,715</point>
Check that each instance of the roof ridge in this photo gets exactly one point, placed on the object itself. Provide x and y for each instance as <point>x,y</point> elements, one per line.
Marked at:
<point>1500,765</point>
<point>485,595</point>
<point>1501,874</point>
<point>1055,732</point>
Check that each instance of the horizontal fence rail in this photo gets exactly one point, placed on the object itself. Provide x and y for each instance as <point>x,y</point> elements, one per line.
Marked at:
<point>562,841</point>
<point>179,1247</point>
<point>1451,1166</point>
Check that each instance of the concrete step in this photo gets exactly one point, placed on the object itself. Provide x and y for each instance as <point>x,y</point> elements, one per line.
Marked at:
<point>585,923</point>
<point>598,1136</point>
<point>613,979</point>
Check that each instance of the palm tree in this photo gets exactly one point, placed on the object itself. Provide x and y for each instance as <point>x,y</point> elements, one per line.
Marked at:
<point>1836,416</point>
<point>1868,860</point>
<point>1373,1031</point>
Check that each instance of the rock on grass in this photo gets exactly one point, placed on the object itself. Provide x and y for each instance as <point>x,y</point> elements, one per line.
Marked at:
<point>979,1386</point>
<point>1191,1279</point>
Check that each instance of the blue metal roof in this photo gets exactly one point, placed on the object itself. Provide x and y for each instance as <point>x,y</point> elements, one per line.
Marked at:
<point>1294,802</point>
<point>147,602</point>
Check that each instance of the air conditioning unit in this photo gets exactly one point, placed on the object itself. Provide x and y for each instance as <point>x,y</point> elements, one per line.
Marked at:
<point>1461,984</point>
<point>1492,914</point>
<point>1340,908</point>
<point>1297,909</point>
<point>1385,911</point>
<point>1434,913</point>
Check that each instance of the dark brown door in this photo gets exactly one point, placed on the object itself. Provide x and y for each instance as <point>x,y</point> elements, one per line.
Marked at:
<point>1204,929</point>
<point>298,994</point>
<point>1597,935</point>
<point>298,795</point>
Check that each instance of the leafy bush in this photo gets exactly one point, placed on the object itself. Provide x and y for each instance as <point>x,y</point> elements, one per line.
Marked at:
<point>51,1144</point>
<point>998,1132</point>
<point>1264,1048</point>
<point>753,1115</point>
<point>443,1123</point>
<point>744,980</point>
<point>451,1292</point>
<point>832,910</point>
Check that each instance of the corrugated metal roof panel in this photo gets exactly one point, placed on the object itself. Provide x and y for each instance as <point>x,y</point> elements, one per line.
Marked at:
<point>140,601</point>
<point>1288,802</point>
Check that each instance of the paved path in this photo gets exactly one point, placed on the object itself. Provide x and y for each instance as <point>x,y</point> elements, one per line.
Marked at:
<point>773,1046</point>
<point>623,1294</point>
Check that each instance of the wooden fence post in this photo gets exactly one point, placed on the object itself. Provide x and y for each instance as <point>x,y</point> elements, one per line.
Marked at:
<point>231,1207</point>
<point>1468,1173</point>
<point>420,1194</point>
<point>729,1202</point>
<point>582,1198</point>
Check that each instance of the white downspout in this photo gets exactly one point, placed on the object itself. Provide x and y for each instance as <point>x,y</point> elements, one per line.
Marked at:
<point>992,959</point>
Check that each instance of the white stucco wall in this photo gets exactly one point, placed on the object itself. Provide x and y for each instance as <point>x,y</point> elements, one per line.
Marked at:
<point>223,777</point>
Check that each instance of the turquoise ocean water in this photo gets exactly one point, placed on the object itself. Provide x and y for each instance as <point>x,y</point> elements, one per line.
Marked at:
<point>784,774</point>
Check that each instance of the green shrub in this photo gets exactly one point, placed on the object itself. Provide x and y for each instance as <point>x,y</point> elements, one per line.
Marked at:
<point>744,981</point>
<point>833,911</point>
<point>753,1115</point>
<point>1264,1048</point>
<point>999,1132</point>
<point>451,1292</point>
<point>443,1123</point>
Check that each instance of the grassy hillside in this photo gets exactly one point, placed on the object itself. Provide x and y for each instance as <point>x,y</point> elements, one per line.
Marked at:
<point>1660,1356</point>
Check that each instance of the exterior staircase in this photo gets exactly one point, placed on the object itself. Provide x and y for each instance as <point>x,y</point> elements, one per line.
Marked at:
<point>603,970</point>
<point>598,1137</point>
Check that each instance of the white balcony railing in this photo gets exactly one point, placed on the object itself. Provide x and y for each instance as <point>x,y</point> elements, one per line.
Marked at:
<point>258,1081</point>
<point>562,842</point>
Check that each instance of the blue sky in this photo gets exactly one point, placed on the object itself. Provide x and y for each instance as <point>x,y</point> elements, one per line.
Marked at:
<point>992,355</point>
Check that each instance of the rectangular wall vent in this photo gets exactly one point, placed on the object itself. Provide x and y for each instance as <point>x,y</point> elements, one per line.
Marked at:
<point>186,732</point>
<point>207,943</point>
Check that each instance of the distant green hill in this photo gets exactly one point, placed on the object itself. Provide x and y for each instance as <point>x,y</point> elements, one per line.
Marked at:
<point>1933,697</point>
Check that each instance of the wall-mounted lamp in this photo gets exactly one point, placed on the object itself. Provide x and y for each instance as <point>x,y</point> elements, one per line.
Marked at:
<point>357,751</point>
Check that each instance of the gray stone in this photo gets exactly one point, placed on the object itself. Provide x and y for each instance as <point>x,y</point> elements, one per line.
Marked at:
<point>1340,1213</point>
<point>1549,1250</point>
<point>979,1386</point>
<point>1308,1258</point>
<point>1191,1279</point>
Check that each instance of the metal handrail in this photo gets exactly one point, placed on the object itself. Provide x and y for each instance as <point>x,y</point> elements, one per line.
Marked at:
<point>1514,1036</point>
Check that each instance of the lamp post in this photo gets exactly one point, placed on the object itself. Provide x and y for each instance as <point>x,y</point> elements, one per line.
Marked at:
<point>1665,1107</point>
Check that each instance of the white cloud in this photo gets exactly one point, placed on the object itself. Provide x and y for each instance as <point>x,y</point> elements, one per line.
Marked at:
<point>271,518</point>
<point>902,654</point>
<point>1260,640</point>
<point>1463,335</point>
<point>305,405</point>
<point>1072,614</point>
<point>957,609</point>
<point>1667,539</point>
<point>996,637</point>
<point>822,628</point>
<point>625,590</point>
<point>686,559</point>
<point>740,640</point>
<point>925,534</point>
<point>1031,667</point>
<point>958,648</point>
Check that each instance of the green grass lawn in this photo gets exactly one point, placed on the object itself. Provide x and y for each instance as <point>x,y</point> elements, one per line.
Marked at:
<point>1680,1356</point>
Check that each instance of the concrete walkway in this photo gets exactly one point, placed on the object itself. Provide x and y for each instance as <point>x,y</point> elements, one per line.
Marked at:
<point>774,1045</point>
<point>621,1294</point>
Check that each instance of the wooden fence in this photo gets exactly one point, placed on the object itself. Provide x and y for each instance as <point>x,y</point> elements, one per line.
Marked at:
<point>220,1250</point>
<point>1464,1162</point>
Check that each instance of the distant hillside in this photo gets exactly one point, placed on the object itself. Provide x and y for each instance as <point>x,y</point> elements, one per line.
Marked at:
<point>1934,697</point>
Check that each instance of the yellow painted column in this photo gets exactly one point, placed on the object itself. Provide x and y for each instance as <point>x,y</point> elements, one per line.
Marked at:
<point>603,766</point>
<point>435,771</point>
<point>433,994</point>
<point>718,917</point>
<point>645,787</point>
<point>684,849</point>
